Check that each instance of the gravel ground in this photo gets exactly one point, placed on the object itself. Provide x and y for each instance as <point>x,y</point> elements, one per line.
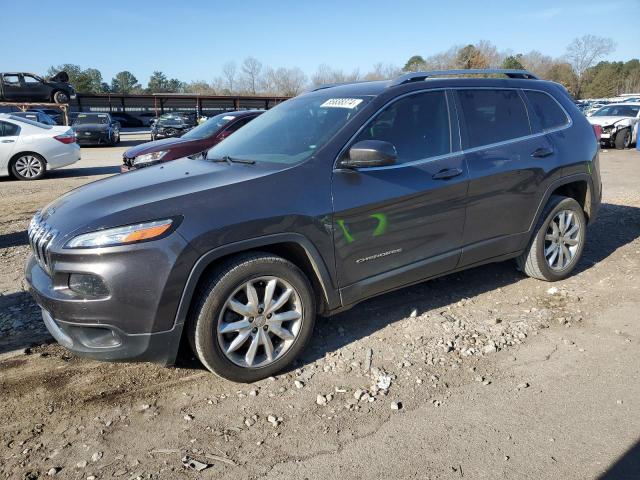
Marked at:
<point>480,374</point>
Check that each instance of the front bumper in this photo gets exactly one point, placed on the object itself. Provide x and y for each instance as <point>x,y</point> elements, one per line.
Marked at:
<point>104,342</point>
<point>93,138</point>
<point>136,320</point>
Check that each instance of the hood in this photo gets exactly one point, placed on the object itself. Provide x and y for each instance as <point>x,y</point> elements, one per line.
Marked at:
<point>90,127</point>
<point>60,77</point>
<point>148,194</point>
<point>606,121</point>
<point>155,146</point>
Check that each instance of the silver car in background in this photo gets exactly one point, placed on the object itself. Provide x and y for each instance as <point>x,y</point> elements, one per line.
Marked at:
<point>618,122</point>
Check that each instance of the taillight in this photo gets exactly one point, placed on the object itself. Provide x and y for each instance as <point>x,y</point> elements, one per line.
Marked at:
<point>66,138</point>
<point>597,130</point>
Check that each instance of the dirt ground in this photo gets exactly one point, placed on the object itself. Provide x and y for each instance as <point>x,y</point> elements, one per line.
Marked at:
<point>482,374</point>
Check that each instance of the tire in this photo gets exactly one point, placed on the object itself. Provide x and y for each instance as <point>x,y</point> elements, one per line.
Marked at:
<point>623,139</point>
<point>225,350</point>
<point>115,138</point>
<point>28,166</point>
<point>60,97</point>
<point>534,263</point>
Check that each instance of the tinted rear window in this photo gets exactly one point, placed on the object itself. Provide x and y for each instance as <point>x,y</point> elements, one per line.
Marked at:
<point>546,109</point>
<point>493,116</point>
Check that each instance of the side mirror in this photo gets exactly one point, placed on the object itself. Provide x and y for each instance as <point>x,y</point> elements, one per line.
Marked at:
<point>370,153</point>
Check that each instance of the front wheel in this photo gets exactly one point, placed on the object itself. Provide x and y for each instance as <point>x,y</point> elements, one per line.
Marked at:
<point>60,97</point>
<point>558,242</point>
<point>252,317</point>
<point>623,139</point>
<point>29,166</point>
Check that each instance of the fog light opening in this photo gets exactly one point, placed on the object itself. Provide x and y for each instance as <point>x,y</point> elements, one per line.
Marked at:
<point>87,284</point>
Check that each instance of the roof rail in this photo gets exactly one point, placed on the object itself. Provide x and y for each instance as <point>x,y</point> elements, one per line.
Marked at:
<point>419,76</point>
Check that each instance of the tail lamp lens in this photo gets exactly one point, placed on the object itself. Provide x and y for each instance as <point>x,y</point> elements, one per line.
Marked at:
<point>597,130</point>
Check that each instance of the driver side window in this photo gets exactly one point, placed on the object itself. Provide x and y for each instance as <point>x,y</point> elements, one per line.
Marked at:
<point>417,125</point>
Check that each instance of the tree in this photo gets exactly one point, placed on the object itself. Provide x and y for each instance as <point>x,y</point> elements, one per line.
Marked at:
<point>583,52</point>
<point>125,82</point>
<point>382,71</point>
<point>251,68</point>
<point>414,64</point>
<point>287,82</point>
<point>158,83</point>
<point>229,73</point>
<point>325,74</point>
<point>513,62</point>
<point>470,57</point>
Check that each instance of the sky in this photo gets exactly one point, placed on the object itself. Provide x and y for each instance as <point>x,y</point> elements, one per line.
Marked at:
<point>191,40</point>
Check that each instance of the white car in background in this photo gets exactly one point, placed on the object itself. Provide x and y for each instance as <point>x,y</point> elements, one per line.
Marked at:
<point>618,122</point>
<point>28,149</point>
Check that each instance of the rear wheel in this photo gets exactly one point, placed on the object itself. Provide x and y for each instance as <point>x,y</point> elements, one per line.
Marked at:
<point>252,317</point>
<point>623,139</point>
<point>28,166</point>
<point>558,242</point>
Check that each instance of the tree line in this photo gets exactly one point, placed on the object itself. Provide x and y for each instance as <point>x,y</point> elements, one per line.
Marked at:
<point>580,70</point>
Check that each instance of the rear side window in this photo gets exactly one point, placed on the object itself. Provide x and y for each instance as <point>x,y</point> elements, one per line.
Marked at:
<point>417,125</point>
<point>493,116</point>
<point>8,129</point>
<point>546,109</point>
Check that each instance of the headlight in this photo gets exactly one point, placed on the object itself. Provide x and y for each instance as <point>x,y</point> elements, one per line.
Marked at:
<point>149,157</point>
<point>121,235</point>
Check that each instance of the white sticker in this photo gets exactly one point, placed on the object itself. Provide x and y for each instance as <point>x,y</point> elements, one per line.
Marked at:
<point>342,103</point>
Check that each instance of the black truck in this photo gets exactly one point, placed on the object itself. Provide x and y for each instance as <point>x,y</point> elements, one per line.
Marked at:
<point>28,87</point>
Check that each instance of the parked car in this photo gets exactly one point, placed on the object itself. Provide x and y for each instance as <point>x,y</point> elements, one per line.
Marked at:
<point>171,125</point>
<point>27,87</point>
<point>96,129</point>
<point>329,198</point>
<point>126,119</point>
<point>195,141</point>
<point>28,149</point>
<point>617,122</point>
<point>57,115</point>
<point>36,117</point>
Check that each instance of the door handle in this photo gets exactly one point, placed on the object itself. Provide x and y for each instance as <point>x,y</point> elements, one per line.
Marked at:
<point>8,141</point>
<point>447,173</point>
<point>542,152</point>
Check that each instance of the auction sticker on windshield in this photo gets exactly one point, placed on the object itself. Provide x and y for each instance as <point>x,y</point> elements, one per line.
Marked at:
<point>342,103</point>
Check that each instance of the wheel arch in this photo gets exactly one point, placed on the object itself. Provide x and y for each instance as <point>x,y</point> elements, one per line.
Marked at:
<point>578,186</point>
<point>293,247</point>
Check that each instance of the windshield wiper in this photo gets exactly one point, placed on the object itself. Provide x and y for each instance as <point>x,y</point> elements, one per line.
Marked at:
<point>231,160</point>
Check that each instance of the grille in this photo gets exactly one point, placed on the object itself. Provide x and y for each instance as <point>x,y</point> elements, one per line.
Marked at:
<point>40,238</point>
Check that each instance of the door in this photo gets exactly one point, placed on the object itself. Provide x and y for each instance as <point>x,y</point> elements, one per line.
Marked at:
<point>399,224</point>
<point>33,88</point>
<point>8,138</point>
<point>507,164</point>
<point>11,88</point>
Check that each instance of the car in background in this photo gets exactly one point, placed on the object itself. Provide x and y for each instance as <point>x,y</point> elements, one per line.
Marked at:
<point>57,115</point>
<point>28,87</point>
<point>28,149</point>
<point>96,129</point>
<point>172,125</point>
<point>617,122</point>
<point>195,141</point>
<point>126,120</point>
<point>37,117</point>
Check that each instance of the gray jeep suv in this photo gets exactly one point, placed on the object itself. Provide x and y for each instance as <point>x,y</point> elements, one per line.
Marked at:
<point>332,197</point>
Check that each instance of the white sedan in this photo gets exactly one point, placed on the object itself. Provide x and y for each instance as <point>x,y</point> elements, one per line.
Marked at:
<point>28,149</point>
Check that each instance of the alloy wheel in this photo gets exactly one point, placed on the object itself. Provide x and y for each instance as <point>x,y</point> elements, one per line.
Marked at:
<point>259,322</point>
<point>562,240</point>
<point>29,166</point>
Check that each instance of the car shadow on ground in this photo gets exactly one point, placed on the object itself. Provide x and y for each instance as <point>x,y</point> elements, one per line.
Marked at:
<point>14,239</point>
<point>617,226</point>
<point>83,172</point>
<point>627,467</point>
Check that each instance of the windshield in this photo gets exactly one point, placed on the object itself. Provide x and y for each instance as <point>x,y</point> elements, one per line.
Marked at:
<point>208,128</point>
<point>618,111</point>
<point>292,131</point>
<point>83,119</point>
